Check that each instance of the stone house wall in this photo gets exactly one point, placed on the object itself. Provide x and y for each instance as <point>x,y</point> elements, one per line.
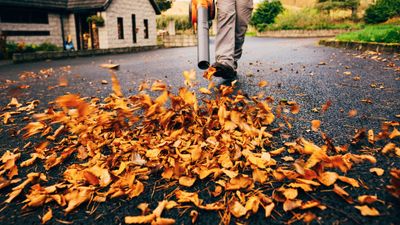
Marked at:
<point>108,35</point>
<point>54,27</point>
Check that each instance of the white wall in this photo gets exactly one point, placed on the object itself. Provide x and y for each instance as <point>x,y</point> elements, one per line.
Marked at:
<point>143,9</point>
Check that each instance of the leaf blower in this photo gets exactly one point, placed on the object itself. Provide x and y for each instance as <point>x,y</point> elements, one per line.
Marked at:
<point>201,14</point>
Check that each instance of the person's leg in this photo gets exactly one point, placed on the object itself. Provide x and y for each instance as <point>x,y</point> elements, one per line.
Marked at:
<point>243,15</point>
<point>225,40</point>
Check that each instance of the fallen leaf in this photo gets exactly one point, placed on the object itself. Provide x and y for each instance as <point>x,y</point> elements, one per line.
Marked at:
<point>367,199</point>
<point>377,171</point>
<point>47,216</point>
<point>367,211</point>
<point>315,124</point>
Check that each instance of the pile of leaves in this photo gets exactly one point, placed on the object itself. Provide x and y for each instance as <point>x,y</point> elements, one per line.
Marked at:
<point>109,149</point>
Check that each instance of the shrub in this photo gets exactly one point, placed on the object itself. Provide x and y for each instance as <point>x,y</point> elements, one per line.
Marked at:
<point>381,11</point>
<point>182,23</point>
<point>266,13</point>
<point>309,19</point>
<point>12,47</point>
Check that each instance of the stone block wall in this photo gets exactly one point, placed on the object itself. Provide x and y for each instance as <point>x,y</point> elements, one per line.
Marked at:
<point>54,27</point>
<point>179,41</point>
<point>301,33</point>
<point>143,9</point>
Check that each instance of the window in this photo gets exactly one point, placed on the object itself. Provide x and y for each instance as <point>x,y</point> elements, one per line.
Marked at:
<point>120,22</point>
<point>134,28</point>
<point>13,15</point>
<point>26,33</point>
<point>146,29</point>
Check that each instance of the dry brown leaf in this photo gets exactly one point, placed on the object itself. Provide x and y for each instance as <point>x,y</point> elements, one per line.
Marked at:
<point>116,87</point>
<point>205,91</point>
<point>237,209</point>
<point>262,83</point>
<point>377,171</point>
<point>395,133</point>
<point>367,211</point>
<point>388,147</point>
<point>47,216</point>
<point>352,113</point>
<point>367,199</point>
<point>194,215</point>
<point>351,181</point>
<point>163,221</point>
<point>328,178</point>
<point>139,219</point>
<point>289,205</point>
<point>315,124</point>
<point>187,181</point>
<point>268,209</point>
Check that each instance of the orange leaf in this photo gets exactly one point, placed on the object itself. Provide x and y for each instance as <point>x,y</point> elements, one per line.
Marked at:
<point>91,178</point>
<point>237,209</point>
<point>328,178</point>
<point>262,83</point>
<point>139,219</point>
<point>289,205</point>
<point>315,124</point>
<point>351,181</point>
<point>268,209</point>
<point>116,87</point>
<point>367,199</point>
<point>187,181</point>
<point>395,133</point>
<point>377,171</point>
<point>388,147</point>
<point>47,216</point>
<point>352,113</point>
<point>367,211</point>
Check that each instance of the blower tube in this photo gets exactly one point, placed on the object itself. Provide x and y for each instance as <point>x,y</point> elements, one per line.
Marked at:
<point>203,39</point>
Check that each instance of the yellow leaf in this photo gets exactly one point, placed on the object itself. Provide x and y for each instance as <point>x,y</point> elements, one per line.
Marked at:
<point>328,178</point>
<point>262,83</point>
<point>289,205</point>
<point>367,199</point>
<point>351,181</point>
<point>388,147</point>
<point>139,219</point>
<point>205,91</point>
<point>315,124</point>
<point>395,133</point>
<point>367,211</point>
<point>47,216</point>
<point>237,209</point>
<point>187,181</point>
<point>377,171</point>
<point>290,193</point>
<point>268,209</point>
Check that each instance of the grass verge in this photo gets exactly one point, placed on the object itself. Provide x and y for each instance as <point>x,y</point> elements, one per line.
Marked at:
<point>374,33</point>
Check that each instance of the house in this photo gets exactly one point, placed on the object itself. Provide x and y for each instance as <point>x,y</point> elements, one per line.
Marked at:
<point>90,24</point>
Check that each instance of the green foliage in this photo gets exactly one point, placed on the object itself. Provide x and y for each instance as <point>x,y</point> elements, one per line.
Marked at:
<point>374,33</point>
<point>12,47</point>
<point>164,4</point>
<point>382,10</point>
<point>182,23</point>
<point>337,4</point>
<point>98,20</point>
<point>309,19</point>
<point>266,13</point>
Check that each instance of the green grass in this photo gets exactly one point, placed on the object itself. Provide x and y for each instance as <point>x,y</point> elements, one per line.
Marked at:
<point>310,19</point>
<point>374,33</point>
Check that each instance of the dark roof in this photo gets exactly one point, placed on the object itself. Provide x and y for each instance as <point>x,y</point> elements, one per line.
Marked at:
<point>68,5</point>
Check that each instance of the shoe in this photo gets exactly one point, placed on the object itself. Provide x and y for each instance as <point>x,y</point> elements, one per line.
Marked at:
<point>226,72</point>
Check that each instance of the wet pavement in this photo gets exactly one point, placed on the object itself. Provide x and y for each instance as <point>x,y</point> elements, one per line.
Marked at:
<point>295,69</point>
